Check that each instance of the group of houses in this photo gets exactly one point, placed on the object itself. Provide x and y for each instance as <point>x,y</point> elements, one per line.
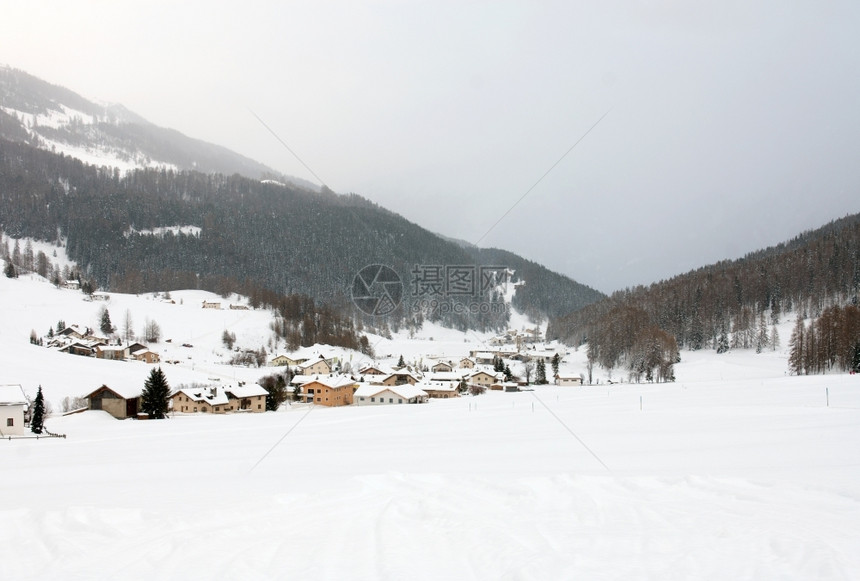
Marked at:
<point>84,342</point>
<point>123,401</point>
<point>320,381</point>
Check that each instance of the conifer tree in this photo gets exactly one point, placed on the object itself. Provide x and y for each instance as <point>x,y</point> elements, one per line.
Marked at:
<point>156,395</point>
<point>540,374</point>
<point>401,363</point>
<point>855,358</point>
<point>722,341</point>
<point>105,324</point>
<point>556,360</point>
<point>797,344</point>
<point>37,420</point>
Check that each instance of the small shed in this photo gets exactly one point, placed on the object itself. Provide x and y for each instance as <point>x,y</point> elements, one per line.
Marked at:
<point>121,403</point>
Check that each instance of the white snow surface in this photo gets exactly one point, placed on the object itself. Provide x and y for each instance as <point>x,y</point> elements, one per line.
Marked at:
<point>735,471</point>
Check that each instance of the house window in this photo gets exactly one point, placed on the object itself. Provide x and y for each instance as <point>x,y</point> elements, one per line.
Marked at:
<point>361,398</point>
<point>10,422</point>
<point>399,400</point>
<point>258,406</point>
<point>390,400</point>
<point>373,399</point>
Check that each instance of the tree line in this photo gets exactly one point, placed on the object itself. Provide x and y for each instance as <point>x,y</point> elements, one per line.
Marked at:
<point>829,342</point>
<point>731,304</point>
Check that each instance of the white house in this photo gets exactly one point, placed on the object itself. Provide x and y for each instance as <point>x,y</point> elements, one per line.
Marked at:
<point>568,380</point>
<point>13,407</point>
<point>369,394</point>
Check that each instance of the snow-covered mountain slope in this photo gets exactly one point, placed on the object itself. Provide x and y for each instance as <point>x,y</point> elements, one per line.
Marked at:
<point>57,119</point>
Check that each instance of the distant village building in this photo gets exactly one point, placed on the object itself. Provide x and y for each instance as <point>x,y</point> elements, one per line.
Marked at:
<point>83,348</point>
<point>211,305</point>
<point>218,400</point>
<point>484,379</point>
<point>146,356</point>
<point>334,390</point>
<point>509,386</point>
<point>370,394</point>
<point>439,389</point>
<point>442,366</point>
<point>315,367</point>
<point>568,380</point>
<point>114,353</point>
<point>467,363</point>
<point>13,410</point>
<point>373,369</point>
<point>286,360</point>
<point>402,377</point>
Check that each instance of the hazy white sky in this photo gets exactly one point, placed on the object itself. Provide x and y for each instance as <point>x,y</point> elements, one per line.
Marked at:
<point>732,125</point>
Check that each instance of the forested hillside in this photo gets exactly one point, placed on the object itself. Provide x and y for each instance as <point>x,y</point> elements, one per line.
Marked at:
<point>731,304</point>
<point>252,236</point>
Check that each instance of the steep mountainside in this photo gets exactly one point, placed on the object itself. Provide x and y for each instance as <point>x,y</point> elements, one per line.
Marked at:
<point>54,118</point>
<point>253,236</point>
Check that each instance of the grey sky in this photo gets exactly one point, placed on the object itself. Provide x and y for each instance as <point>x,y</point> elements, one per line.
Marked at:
<point>733,125</point>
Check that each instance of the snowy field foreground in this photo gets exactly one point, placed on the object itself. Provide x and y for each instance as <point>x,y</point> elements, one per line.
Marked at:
<point>754,479</point>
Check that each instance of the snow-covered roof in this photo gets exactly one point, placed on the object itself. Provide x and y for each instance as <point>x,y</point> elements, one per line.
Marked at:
<point>247,390</point>
<point>12,394</point>
<point>383,369</point>
<point>403,373</point>
<point>333,381</point>
<point>124,390</point>
<point>448,375</point>
<point>312,362</point>
<point>210,395</point>
<point>405,391</point>
<point>493,374</point>
<point>437,386</point>
<point>369,389</point>
<point>109,348</point>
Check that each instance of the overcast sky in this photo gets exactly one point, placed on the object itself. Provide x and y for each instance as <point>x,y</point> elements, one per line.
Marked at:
<point>731,126</point>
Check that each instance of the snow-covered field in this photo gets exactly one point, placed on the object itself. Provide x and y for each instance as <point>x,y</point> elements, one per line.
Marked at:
<point>736,471</point>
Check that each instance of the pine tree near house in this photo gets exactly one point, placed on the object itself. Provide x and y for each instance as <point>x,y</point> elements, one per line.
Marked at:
<point>37,420</point>
<point>556,361</point>
<point>156,395</point>
<point>400,363</point>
